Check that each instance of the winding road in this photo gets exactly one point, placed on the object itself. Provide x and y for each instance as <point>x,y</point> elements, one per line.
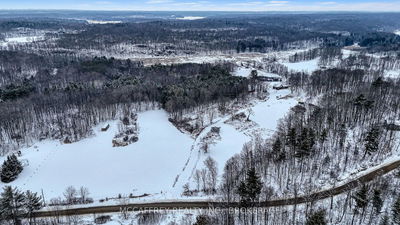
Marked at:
<point>207,204</point>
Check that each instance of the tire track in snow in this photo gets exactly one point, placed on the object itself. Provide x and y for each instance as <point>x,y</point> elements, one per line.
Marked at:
<point>196,142</point>
<point>222,119</point>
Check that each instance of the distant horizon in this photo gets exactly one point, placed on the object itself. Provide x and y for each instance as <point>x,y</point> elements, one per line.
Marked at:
<point>199,11</point>
<point>207,5</point>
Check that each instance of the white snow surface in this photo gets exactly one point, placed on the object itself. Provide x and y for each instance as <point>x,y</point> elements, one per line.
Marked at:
<point>394,74</point>
<point>160,163</point>
<point>148,166</point>
<point>163,217</point>
<point>242,72</point>
<point>346,53</point>
<point>190,18</point>
<point>397,32</point>
<point>304,66</point>
<point>20,40</point>
<point>103,22</point>
<point>266,114</point>
<point>245,72</point>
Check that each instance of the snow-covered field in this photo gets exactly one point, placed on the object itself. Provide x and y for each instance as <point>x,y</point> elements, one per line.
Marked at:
<point>160,163</point>
<point>159,217</point>
<point>148,166</point>
<point>190,18</point>
<point>346,53</point>
<point>20,40</point>
<point>304,66</point>
<point>103,22</point>
<point>264,119</point>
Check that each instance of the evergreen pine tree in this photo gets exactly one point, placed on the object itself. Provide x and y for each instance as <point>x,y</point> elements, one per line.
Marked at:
<point>201,220</point>
<point>277,145</point>
<point>306,141</point>
<point>384,220</point>
<point>277,150</point>
<point>249,190</point>
<point>12,204</point>
<point>253,184</point>
<point>311,137</point>
<point>242,191</point>
<point>377,201</point>
<point>396,211</point>
<point>317,218</point>
<point>10,169</point>
<point>291,137</point>
<point>361,197</point>
<point>372,141</point>
<point>378,82</point>
<point>323,136</point>
<point>360,100</point>
<point>253,74</point>
<point>32,202</point>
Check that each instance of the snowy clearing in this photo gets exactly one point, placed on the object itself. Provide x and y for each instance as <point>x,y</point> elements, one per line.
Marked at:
<point>304,66</point>
<point>103,22</point>
<point>265,116</point>
<point>346,53</point>
<point>190,18</point>
<point>21,40</point>
<point>148,166</point>
<point>245,72</point>
<point>163,154</point>
<point>394,74</point>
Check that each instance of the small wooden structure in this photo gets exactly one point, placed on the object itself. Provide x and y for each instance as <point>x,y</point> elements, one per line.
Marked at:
<point>105,128</point>
<point>281,87</point>
<point>269,79</point>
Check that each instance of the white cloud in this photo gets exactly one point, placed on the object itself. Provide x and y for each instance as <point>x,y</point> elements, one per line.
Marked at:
<point>326,3</point>
<point>208,5</point>
<point>158,1</point>
<point>246,4</point>
<point>278,2</point>
<point>103,3</point>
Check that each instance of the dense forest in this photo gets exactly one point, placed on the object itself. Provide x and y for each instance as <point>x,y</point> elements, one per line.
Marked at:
<point>259,33</point>
<point>67,98</point>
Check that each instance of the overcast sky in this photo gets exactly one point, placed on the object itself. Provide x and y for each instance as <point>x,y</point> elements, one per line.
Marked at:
<point>206,5</point>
